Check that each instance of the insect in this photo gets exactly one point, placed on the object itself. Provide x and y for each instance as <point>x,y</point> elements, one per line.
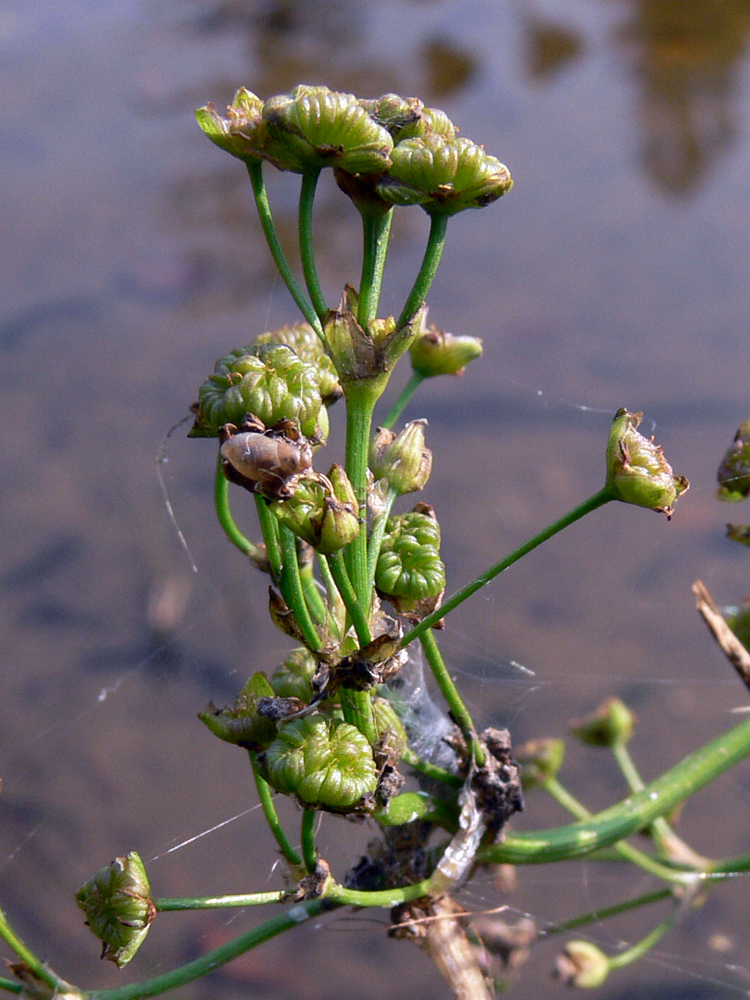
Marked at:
<point>265,460</point>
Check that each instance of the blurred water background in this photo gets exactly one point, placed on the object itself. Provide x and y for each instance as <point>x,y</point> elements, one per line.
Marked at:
<point>616,273</point>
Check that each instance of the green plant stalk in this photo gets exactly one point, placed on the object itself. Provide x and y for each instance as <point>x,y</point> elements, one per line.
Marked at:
<point>634,813</point>
<point>642,947</point>
<point>360,404</point>
<point>224,514</point>
<point>309,851</point>
<point>272,817</point>
<point>430,262</point>
<point>255,169</point>
<point>593,502</point>
<point>284,921</point>
<point>431,770</point>
<point>270,528</point>
<point>383,897</point>
<point>313,599</point>
<point>219,902</point>
<point>335,603</point>
<point>355,610</point>
<point>376,230</point>
<point>416,379</point>
<point>449,691</point>
<point>39,968</point>
<point>10,986</point>
<point>594,916</point>
<point>291,586</point>
<point>306,248</point>
<point>375,541</point>
<point>644,861</point>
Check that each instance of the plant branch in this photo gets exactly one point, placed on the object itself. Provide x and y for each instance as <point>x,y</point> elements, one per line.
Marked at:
<point>416,379</point>
<point>376,228</point>
<point>430,262</point>
<point>307,252</point>
<point>272,817</point>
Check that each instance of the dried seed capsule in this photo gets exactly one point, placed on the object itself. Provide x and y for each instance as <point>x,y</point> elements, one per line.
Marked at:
<point>325,762</point>
<point>637,471</point>
<point>267,380</point>
<point>409,567</point>
<point>314,127</point>
<point>118,907</point>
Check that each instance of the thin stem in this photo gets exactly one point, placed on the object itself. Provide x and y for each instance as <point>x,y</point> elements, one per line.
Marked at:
<point>224,514</point>
<point>594,916</point>
<point>270,528</point>
<point>416,379</point>
<point>359,410</point>
<point>431,770</point>
<point>212,960</point>
<point>10,986</point>
<point>376,229</point>
<point>644,861</point>
<point>272,817</point>
<point>376,536</point>
<point>313,598</point>
<point>337,612</point>
<point>307,252</point>
<point>639,949</point>
<point>343,584</point>
<point>292,588</point>
<point>597,500</point>
<point>309,851</point>
<point>218,902</point>
<point>432,254</point>
<point>36,965</point>
<point>635,813</point>
<point>381,897</point>
<point>449,691</point>
<point>255,169</point>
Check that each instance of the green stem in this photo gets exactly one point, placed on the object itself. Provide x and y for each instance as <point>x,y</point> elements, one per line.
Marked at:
<point>594,916</point>
<point>431,770</point>
<point>307,252</point>
<point>291,585</point>
<point>597,500</point>
<point>313,598</point>
<point>632,814</point>
<point>224,514</point>
<point>432,254</point>
<point>309,851</point>
<point>255,169</point>
<point>449,691</point>
<point>383,897</point>
<point>218,902</point>
<point>416,379</point>
<point>10,986</point>
<point>642,947</point>
<point>35,965</point>
<point>356,612</point>
<point>270,528</point>
<point>376,537</point>
<point>359,409</point>
<point>212,960</point>
<point>376,228</point>
<point>644,861</point>
<point>336,605</point>
<point>272,817</point>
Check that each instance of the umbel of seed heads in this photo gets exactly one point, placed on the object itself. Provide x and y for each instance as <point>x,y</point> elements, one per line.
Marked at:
<point>392,149</point>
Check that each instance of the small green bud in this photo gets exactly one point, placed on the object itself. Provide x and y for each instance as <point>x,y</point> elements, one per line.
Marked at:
<point>326,763</point>
<point>407,117</point>
<point>402,458</point>
<point>440,353</point>
<point>734,471</point>
<point>637,471</point>
<point>118,907</point>
<point>582,964</point>
<point>739,533</point>
<point>540,761</point>
<point>314,127</point>
<point>409,567</point>
<point>444,175</point>
<point>242,724</point>
<point>307,345</point>
<point>611,724</point>
<point>323,511</point>
<point>268,380</point>
<point>242,132</point>
<point>292,679</point>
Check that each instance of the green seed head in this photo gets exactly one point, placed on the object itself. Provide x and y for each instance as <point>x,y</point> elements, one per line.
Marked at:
<point>409,567</point>
<point>241,724</point>
<point>438,353</point>
<point>323,511</point>
<point>242,132</point>
<point>402,459</point>
<point>293,678</point>
<point>637,471</point>
<point>326,763</point>
<point>734,471</point>
<point>308,346</point>
<point>118,907</point>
